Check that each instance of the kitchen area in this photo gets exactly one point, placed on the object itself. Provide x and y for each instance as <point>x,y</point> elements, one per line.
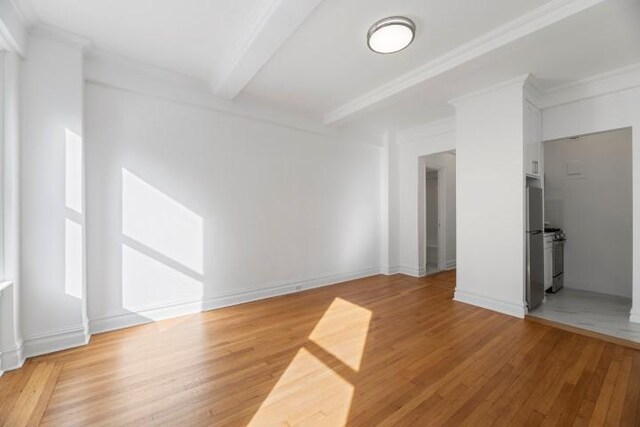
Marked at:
<point>579,231</point>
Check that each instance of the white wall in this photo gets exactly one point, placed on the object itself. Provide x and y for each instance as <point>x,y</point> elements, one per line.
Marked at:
<point>490,165</point>
<point>613,110</point>
<point>53,302</point>
<point>10,330</point>
<point>594,209</point>
<point>190,208</point>
<point>389,205</point>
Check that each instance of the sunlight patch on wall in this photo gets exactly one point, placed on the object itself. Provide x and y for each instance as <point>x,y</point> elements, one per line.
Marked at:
<point>343,331</point>
<point>148,283</point>
<point>73,171</point>
<point>158,222</point>
<point>73,258</point>
<point>308,392</point>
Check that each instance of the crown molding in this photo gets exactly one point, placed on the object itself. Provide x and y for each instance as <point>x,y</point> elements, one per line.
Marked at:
<point>518,81</point>
<point>429,130</point>
<point>116,72</point>
<point>529,23</point>
<point>533,91</point>
<point>274,24</point>
<point>54,33</point>
<point>26,12</point>
<point>602,84</point>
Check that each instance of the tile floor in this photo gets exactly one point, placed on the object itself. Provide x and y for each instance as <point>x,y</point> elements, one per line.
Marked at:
<point>606,314</point>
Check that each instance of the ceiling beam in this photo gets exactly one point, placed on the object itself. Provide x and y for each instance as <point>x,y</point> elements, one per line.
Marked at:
<point>274,24</point>
<point>13,28</point>
<point>535,20</point>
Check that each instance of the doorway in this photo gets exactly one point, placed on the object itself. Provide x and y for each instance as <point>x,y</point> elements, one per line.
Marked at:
<point>437,212</point>
<point>588,201</point>
<point>433,220</point>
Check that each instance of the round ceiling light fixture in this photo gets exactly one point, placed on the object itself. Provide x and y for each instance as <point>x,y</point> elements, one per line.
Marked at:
<point>391,34</point>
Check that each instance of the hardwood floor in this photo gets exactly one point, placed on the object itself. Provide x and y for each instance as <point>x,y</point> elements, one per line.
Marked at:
<point>378,351</point>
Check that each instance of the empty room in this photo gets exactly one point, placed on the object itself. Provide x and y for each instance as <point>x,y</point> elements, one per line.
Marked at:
<point>319,213</point>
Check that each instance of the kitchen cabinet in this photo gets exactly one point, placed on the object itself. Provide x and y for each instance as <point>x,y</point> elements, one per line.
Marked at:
<point>532,141</point>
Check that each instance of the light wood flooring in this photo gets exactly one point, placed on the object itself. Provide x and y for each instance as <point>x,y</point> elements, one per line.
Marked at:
<point>378,351</point>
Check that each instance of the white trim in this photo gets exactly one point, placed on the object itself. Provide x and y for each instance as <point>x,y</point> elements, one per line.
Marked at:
<point>390,270</point>
<point>113,321</point>
<point>518,81</point>
<point>25,12</point>
<point>119,73</point>
<point>532,91</point>
<point>12,358</point>
<point>512,308</point>
<point>412,271</point>
<point>5,285</point>
<point>57,340</point>
<point>529,23</point>
<point>426,131</point>
<point>451,264</point>
<point>54,33</point>
<point>602,84</point>
<point>618,80</point>
<point>634,316</point>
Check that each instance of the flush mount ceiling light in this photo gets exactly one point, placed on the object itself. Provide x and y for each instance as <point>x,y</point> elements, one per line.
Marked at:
<point>391,34</point>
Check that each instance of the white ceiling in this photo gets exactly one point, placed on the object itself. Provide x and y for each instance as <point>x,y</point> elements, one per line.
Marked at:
<point>311,57</point>
<point>330,50</point>
<point>191,37</point>
<point>603,38</point>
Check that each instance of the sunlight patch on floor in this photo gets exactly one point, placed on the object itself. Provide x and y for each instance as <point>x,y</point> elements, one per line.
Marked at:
<point>307,393</point>
<point>310,392</point>
<point>342,331</point>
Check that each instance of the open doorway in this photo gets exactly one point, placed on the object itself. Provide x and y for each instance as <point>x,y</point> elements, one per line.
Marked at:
<point>433,220</point>
<point>588,202</point>
<point>438,212</point>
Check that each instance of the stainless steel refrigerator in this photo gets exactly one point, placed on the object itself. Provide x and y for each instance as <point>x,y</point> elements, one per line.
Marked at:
<point>535,247</point>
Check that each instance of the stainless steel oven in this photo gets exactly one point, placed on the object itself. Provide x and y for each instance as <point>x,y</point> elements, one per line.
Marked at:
<point>559,240</point>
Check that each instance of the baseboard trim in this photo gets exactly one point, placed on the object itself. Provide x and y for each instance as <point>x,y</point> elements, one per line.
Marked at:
<point>390,270</point>
<point>59,340</point>
<point>634,317</point>
<point>114,321</point>
<point>450,265</point>
<point>595,288</point>
<point>501,306</point>
<point>12,358</point>
<point>412,271</point>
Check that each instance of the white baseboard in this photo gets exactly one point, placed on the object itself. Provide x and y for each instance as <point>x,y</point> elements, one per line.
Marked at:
<point>110,322</point>
<point>58,340</point>
<point>412,271</point>
<point>451,264</point>
<point>634,316</point>
<point>512,308</point>
<point>620,291</point>
<point>390,270</point>
<point>12,358</point>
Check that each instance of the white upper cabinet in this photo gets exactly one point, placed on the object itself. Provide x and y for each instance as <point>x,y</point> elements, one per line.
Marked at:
<point>532,141</point>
